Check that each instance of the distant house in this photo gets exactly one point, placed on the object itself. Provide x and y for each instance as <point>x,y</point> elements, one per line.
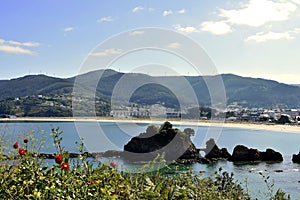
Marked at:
<point>291,112</point>
<point>157,111</point>
<point>129,113</point>
<point>245,117</point>
<point>271,113</point>
<point>232,119</point>
<point>174,114</point>
<point>154,111</point>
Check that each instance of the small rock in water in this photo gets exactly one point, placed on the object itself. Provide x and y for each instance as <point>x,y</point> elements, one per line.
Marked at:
<point>296,158</point>
<point>278,170</point>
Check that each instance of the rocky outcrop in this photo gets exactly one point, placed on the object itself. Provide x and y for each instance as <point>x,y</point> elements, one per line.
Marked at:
<point>191,153</point>
<point>271,155</point>
<point>243,153</point>
<point>213,152</point>
<point>174,145</point>
<point>296,158</point>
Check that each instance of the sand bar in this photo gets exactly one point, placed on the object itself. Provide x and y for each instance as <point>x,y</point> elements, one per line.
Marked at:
<point>245,125</point>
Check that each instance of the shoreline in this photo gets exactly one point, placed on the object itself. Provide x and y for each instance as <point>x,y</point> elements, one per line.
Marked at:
<point>186,122</point>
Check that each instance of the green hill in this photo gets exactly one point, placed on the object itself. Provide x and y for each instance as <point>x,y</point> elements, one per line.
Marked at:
<point>251,92</point>
<point>34,85</point>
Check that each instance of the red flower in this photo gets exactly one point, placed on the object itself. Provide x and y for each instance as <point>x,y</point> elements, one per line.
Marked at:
<point>16,145</point>
<point>58,159</point>
<point>25,140</point>
<point>113,164</point>
<point>65,166</point>
<point>92,181</point>
<point>22,152</point>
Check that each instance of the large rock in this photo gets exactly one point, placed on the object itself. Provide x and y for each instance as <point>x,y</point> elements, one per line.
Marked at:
<point>243,153</point>
<point>296,158</point>
<point>212,151</point>
<point>191,153</point>
<point>271,155</point>
<point>174,144</point>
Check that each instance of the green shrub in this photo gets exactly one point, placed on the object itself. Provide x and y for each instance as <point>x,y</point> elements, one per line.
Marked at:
<point>26,177</point>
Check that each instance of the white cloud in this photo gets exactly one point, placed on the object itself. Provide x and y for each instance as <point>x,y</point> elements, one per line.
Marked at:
<point>31,44</point>
<point>259,12</point>
<point>15,50</point>
<point>137,9</point>
<point>167,12</point>
<point>107,52</point>
<point>15,47</point>
<point>217,28</point>
<point>182,11</point>
<point>174,45</point>
<point>136,33</point>
<point>254,13</point>
<point>296,1</point>
<point>187,29</point>
<point>68,29</point>
<point>263,37</point>
<point>25,44</point>
<point>14,43</point>
<point>106,19</point>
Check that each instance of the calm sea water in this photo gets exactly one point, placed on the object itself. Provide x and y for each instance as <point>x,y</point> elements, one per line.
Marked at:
<point>103,136</point>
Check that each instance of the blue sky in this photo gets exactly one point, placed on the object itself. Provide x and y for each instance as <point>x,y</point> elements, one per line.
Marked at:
<point>257,38</point>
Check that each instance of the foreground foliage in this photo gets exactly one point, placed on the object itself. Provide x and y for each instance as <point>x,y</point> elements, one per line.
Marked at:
<point>27,177</point>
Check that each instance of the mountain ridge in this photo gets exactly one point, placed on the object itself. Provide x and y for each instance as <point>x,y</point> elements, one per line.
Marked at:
<point>247,91</point>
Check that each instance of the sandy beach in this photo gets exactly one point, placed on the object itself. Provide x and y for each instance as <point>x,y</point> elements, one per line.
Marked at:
<point>244,125</point>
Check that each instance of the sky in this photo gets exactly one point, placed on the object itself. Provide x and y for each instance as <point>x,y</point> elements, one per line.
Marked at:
<point>253,38</point>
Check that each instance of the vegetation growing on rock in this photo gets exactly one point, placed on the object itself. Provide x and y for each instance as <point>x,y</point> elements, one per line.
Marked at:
<point>174,144</point>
